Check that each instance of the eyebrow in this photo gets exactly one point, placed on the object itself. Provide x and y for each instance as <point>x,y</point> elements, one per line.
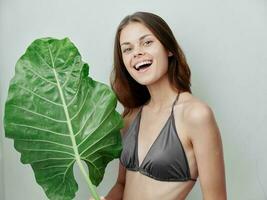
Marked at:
<point>141,38</point>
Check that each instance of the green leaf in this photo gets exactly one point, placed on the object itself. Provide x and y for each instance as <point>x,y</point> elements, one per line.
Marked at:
<point>57,116</point>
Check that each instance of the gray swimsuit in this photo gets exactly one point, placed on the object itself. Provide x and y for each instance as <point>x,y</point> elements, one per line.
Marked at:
<point>165,160</point>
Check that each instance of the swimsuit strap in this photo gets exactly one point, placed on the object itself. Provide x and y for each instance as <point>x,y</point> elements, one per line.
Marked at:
<point>176,99</point>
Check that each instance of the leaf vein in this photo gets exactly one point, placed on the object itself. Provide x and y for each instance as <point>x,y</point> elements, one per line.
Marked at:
<point>93,165</point>
<point>96,127</point>
<point>41,97</point>
<point>45,141</point>
<point>47,159</point>
<point>69,75</point>
<point>41,129</point>
<point>102,147</point>
<point>75,134</point>
<point>37,74</point>
<point>43,59</point>
<point>78,112</point>
<point>48,150</point>
<point>50,177</point>
<point>54,166</point>
<point>75,95</point>
<point>68,167</point>
<point>39,114</point>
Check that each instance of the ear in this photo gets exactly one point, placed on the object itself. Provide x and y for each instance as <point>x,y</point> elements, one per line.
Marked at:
<point>170,54</point>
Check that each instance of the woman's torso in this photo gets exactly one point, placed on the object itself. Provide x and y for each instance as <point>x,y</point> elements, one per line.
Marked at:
<point>139,186</point>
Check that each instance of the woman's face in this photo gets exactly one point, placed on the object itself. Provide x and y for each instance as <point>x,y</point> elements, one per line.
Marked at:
<point>144,56</point>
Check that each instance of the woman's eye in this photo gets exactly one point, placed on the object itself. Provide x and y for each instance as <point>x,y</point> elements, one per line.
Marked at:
<point>146,43</point>
<point>126,50</point>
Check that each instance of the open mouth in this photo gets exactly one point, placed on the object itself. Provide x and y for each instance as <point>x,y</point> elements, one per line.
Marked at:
<point>143,65</point>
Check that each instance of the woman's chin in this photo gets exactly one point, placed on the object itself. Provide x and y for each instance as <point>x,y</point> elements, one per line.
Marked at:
<point>146,82</point>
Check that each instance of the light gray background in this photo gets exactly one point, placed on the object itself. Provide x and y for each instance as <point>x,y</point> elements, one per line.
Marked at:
<point>226,47</point>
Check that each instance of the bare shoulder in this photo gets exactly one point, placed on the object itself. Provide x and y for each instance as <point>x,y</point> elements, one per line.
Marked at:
<point>128,119</point>
<point>196,113</point>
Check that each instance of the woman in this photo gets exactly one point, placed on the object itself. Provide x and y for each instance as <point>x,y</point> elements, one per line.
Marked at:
<point>170,138</point>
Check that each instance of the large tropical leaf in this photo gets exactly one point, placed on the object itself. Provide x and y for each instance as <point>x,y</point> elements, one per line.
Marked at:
<point>57,116</point>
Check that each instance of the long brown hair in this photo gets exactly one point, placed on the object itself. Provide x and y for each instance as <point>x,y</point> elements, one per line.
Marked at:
<point>130,93</point>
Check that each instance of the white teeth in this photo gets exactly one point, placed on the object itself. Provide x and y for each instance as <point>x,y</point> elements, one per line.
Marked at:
<point>137,66</point>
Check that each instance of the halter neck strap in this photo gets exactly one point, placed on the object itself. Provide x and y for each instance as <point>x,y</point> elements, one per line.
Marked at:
<point>176,99</point>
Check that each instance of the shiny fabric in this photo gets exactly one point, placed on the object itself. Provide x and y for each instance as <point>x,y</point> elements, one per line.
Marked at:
<point>165,160</point>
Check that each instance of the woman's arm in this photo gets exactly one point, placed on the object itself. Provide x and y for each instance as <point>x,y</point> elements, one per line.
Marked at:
<point>116,193</point>
<point>207,145</point>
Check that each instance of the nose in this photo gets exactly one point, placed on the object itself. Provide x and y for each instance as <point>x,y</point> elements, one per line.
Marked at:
<point>138,52</point>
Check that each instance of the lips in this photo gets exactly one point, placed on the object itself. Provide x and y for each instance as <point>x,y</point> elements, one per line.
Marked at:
<point>142,64</point>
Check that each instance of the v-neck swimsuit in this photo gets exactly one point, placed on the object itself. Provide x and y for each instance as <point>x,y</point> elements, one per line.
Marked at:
<point>165,160</point>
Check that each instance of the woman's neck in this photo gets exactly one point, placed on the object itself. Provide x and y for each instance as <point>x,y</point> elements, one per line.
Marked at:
<point>162,94</point>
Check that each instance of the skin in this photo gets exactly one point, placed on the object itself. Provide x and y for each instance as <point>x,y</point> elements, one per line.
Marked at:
<point>194,120</point>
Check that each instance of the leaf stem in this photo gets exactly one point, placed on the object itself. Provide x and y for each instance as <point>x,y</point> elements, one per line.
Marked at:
<point>92,187</point>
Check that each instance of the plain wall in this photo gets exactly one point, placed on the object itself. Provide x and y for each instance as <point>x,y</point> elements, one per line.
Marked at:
<point>225,43</point>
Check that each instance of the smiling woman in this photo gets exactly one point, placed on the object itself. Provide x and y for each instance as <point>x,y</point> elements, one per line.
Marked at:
<point>151,32</point>
<point>142,53</point>
<point>170,137</point>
